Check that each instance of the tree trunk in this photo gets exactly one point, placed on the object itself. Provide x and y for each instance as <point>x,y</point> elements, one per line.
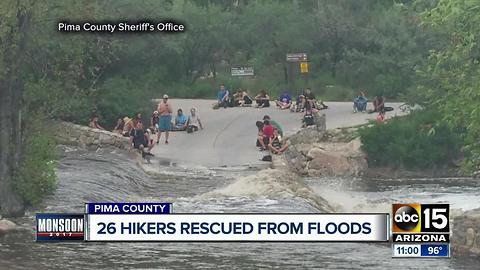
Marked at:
<point>11,104</point>
<point>10,134</point>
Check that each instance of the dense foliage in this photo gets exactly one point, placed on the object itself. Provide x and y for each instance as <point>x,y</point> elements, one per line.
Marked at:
<point>418,141</point>
<point>425,51</point>
<point>351,45</point>
<point>451,79</point>
<point>35,177</point>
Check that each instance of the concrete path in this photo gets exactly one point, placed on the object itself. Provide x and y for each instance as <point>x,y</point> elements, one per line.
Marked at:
<point>229,135</point>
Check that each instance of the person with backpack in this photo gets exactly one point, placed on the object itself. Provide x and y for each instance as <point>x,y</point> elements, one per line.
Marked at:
<point>308,119</point>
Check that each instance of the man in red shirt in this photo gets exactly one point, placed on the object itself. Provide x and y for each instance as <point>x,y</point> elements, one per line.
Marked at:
<point>267,134</point>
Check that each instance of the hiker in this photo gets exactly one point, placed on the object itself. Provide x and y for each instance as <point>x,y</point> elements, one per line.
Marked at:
<point>137,118</point>
<point>308,119</point>
<point>378,103</point>
<point>127,126</point>
<point>94,123</point>
<point>276,144</point>
<point>360,103</point>
<point>165,111</point>
<point>237,98</point>
<point>194,121</point>
<point>154,122</point>
<point>223,97</point>
<point>260,142</point>
<point>284,101</point>
<point>262,99</point>
<point>299,104</point>
<point>246,100</point>
<point>140,139</point>
<point>267,133</point>
<point>274,124</point>
<point>180,121</point>
<point>119,126</point>
<point>311,101</point>
<point>381,117</point>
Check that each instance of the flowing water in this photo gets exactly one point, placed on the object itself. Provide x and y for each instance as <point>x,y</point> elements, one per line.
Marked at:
<point>111,175</point>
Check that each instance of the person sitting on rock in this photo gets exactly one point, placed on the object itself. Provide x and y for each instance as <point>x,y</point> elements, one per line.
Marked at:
<point>127,126</point>
<point>276,145</point>
<point>308,119</point>
<point>262,99</point>
<point>94,123</point>
<point>194,121</point>
<point>119,126</point>
<point>140,139</point>
<point>181,121</point>
<point>274,124</point>
<point>284,101</point>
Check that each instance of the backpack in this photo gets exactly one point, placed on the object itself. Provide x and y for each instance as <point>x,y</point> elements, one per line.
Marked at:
<point>308,120</point>
<point>267,158</point>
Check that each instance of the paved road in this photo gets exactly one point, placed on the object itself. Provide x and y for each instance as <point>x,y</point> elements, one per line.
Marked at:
<point>229,135</point>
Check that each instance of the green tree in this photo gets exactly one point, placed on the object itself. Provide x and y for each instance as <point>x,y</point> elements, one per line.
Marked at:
<point>451,79</point>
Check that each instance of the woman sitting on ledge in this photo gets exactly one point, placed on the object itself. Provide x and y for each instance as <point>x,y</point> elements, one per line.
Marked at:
<point>94,123</point>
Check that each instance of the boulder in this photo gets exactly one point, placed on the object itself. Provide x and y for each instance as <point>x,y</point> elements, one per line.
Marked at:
<point>466,234</point>
<point>336,159</point>
<point>6,226</point>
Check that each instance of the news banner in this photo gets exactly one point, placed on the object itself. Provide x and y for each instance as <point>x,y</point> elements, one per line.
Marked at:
<point>418,230</point>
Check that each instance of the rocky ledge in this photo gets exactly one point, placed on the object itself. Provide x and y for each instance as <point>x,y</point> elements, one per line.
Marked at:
<point>314,152</point>
<point>6,226</point>
<point>466,234</point>
<point>86,137</point>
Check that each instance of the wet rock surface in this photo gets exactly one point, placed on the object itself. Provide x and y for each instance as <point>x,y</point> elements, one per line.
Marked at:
<point>313,152</point>
<point>6,226</point>
<point>466,234</point>
<point>86,137</point>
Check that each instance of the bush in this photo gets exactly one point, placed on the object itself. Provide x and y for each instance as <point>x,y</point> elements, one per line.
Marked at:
<point>120,97</point>
<point>36,176</point>
<point>416,141</point>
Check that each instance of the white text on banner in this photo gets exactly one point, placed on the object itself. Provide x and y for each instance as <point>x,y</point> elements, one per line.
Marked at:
<point>239,227</point>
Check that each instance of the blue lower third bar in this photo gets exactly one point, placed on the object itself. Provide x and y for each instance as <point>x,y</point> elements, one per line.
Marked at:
<point>435,250</point>
<point>128,208</point>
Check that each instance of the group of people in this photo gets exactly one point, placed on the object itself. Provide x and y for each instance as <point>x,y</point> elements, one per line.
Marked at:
<point>360,105</point>
<point>142,138</point>
<point>305,101</point>
<point>270,136</point>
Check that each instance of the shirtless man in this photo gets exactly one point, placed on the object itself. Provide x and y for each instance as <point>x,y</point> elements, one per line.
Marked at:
<point>165,111</point>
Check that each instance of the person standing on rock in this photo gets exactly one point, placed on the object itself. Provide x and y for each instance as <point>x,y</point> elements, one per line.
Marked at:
<point>165,111</point>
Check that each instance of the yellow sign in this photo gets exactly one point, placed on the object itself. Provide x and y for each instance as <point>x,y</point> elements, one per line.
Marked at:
<point>303,67</point>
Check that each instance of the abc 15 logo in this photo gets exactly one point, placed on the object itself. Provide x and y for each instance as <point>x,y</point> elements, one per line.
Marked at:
<point>419,218</point>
